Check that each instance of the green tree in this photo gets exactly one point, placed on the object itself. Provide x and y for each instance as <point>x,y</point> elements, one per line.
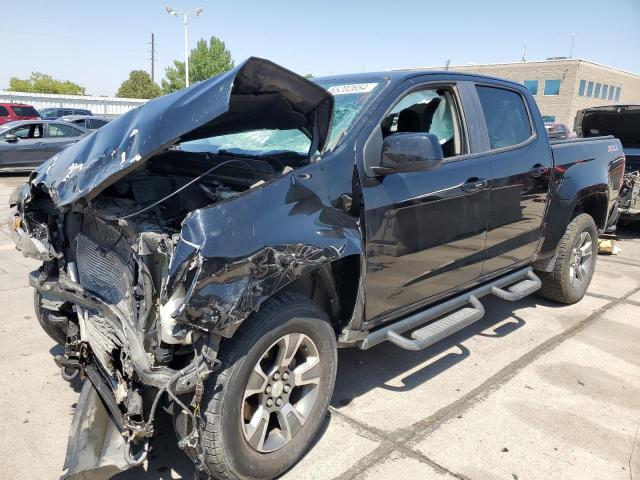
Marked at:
<point>205,61</point>
<point>43,83</point>
<point>139,85</point>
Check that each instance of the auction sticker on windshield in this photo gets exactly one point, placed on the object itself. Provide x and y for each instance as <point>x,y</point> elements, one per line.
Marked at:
<point>352,88</point>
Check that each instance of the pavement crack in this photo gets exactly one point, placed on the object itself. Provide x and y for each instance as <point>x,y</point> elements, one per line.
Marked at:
<point>633,448</point>
<point>388,444</point>
<point>419,430</point>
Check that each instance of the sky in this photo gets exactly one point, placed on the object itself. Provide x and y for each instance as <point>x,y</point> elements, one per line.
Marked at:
<point>97,43</point>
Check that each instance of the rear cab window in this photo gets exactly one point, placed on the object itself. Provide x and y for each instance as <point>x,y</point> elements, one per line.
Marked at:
<point>506,116</point>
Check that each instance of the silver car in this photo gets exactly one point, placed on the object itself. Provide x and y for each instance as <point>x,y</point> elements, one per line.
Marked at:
<point>25,144</point>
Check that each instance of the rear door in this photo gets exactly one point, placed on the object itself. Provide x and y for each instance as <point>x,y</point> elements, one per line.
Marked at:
<point>521,165</point>
<point>425,231</point>
<point>59,135</point>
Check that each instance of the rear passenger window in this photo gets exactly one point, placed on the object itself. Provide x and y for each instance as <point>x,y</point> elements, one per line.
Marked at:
<point>506,116</point>
<point>59,130</point>
<point>3,112</point>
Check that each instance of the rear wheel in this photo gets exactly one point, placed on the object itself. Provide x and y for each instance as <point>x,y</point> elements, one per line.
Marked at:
<point>575,262</point>
<point>265,407</point>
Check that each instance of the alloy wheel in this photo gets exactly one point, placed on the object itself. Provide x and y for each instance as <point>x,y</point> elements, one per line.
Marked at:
<point>581,259</point>
<point>281,392</point>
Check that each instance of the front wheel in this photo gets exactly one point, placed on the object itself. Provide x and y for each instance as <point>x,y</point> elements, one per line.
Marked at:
<point>55,331</point>
<point>575,262</point>
<point>265,407</point>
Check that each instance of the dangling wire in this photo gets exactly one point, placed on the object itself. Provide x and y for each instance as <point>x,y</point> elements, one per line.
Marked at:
<point>154,204</point>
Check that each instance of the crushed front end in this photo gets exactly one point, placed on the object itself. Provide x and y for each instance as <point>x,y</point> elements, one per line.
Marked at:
<point>103,280</point>
<point>150,253</point>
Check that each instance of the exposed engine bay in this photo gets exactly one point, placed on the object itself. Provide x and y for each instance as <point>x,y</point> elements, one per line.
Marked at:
<point>135,267</point>
<point>113,258</point>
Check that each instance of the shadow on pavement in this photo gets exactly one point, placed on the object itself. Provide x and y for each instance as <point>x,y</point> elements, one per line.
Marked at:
<point>358,373</point>
<point>361,371</point>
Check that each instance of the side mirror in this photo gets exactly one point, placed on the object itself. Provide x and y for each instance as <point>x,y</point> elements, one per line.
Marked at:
<point>10,138</point>
<point>409,152</point>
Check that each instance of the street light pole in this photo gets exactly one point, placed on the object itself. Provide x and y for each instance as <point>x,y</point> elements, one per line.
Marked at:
<point>186,49</point>
<point>185,20</point>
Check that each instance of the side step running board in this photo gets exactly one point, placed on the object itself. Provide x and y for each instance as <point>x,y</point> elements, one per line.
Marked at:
<point>436,331</point>
<point>519,290</point>
<point>451,315</point>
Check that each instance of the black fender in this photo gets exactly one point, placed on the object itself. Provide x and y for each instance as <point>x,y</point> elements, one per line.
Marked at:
<point>577,189</point>
<point>234,255</point>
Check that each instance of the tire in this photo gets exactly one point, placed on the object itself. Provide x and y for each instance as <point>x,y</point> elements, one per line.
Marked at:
<point>567,283</point>
<point>227,432</point>
<point>58,334</point>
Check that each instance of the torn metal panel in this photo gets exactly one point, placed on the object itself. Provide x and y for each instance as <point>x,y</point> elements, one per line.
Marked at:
<point>255,94</point>
<point>232,259</point>
<point>96,447</point>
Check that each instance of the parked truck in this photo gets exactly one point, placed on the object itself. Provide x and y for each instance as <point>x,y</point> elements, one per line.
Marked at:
<point>211,250</point>
<point>623,122</point>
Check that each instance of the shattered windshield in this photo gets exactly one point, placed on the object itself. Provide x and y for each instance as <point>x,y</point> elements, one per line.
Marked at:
<point>350,98</point>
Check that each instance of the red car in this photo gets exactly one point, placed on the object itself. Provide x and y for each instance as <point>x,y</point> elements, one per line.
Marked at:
<point>10,112</point>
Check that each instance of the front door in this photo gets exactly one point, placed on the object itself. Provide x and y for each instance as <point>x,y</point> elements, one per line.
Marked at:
<point>425,231</point>
<point>32,147</point>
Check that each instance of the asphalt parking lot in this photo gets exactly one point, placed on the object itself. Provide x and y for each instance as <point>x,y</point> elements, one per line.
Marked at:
<point>534,390</point>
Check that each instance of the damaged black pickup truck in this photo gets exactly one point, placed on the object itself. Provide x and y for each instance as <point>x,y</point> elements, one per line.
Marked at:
<point>209,251</point>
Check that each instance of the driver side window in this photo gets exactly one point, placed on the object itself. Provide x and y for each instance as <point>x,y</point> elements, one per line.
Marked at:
<point>27,131</point>
<point>430,110</point>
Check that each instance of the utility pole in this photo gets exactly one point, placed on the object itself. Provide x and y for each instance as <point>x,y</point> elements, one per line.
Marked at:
<point>153,58</point>
<point>573,41</point>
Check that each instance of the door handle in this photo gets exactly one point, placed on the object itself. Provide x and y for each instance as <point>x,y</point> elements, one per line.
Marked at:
<point>474,185</point>
<point>538,170</point>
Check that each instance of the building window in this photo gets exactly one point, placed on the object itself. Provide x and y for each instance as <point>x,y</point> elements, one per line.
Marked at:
<point>596,94</point>
<point>552,87</point>
<point>605,91</point>
<point>612,91</point>
<point>617,94</point>
<point>583,84</point>
<point>590,89</point>
<point>532,85</point>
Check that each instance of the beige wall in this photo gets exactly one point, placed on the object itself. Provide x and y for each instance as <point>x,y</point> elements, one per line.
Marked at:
<point>629,87</point>
<point>565,105</point>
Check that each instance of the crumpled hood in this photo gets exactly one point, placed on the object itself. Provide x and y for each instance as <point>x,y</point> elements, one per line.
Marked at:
<point>255,94</point>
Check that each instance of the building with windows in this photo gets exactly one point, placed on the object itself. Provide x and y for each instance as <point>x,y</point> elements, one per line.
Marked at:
<point>563,86</point>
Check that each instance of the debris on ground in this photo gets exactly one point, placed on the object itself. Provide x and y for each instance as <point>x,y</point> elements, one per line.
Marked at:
<point>607,246</point>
